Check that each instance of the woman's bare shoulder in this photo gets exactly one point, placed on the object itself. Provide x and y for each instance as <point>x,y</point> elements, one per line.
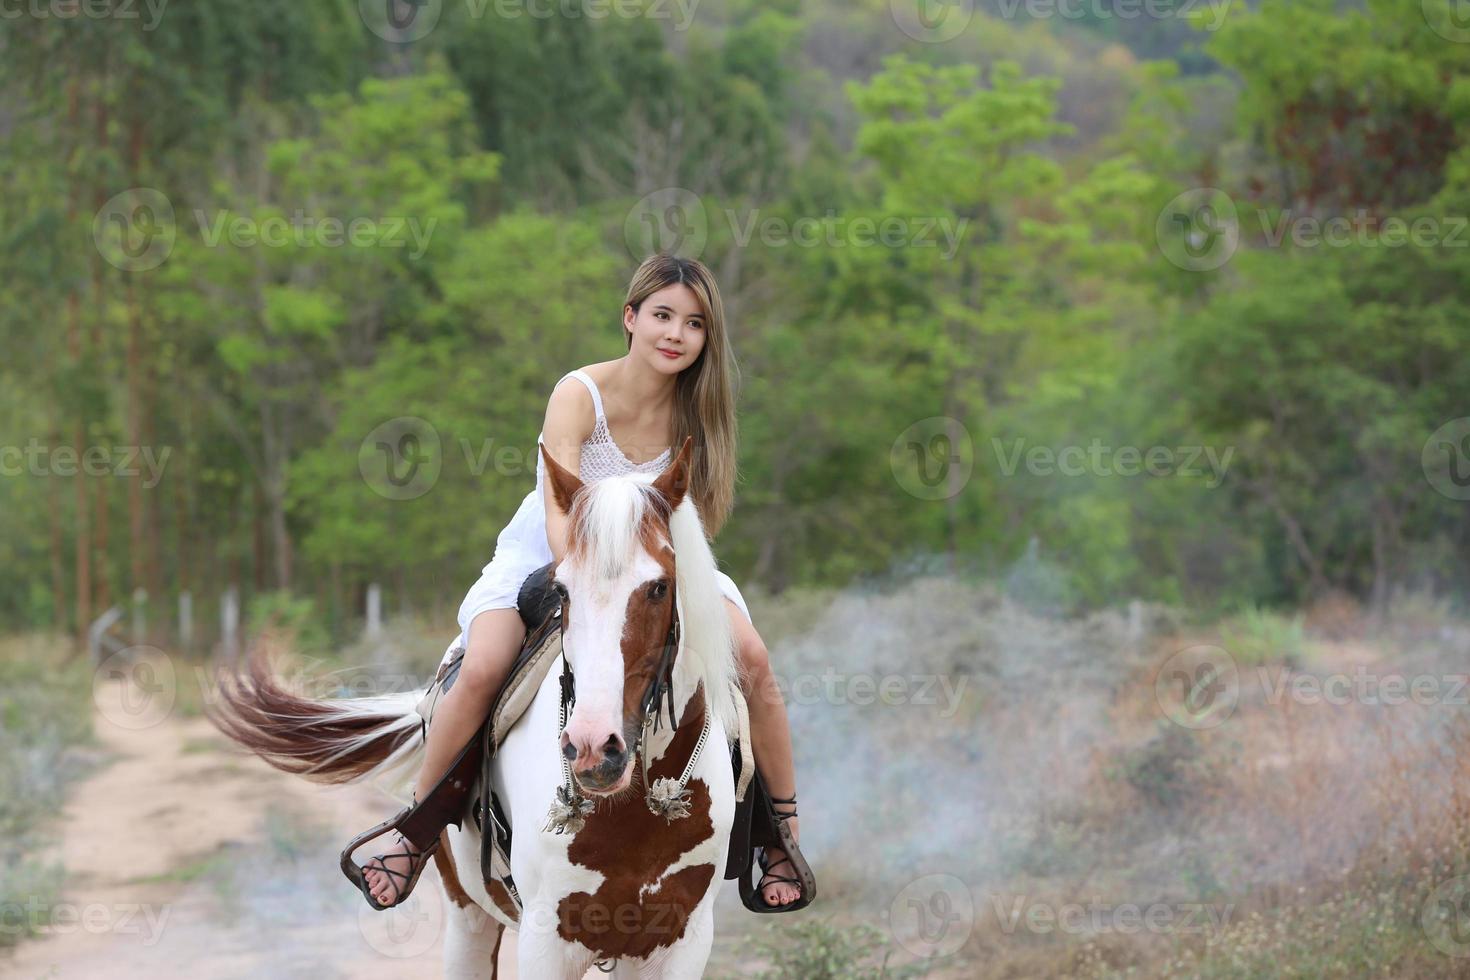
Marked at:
<point>570,413</point>
<point>597,372</point>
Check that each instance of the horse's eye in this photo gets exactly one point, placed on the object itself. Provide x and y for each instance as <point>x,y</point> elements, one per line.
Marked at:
<point>658,589</point>
<point>561,590</point>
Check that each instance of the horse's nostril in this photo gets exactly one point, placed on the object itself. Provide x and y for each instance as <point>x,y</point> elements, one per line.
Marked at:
<point>570,751</point>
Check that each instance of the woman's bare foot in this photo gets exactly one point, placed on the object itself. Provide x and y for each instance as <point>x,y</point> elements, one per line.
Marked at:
<point>778,865</point>
<point>387,887</point>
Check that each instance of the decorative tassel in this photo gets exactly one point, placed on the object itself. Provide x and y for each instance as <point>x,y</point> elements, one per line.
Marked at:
<point>668,799</point>
<point>568,814</point>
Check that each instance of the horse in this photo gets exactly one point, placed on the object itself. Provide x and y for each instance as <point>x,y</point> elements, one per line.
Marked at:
<point>620,829</point>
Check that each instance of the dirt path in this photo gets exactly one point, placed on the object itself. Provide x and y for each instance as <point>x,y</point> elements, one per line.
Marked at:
<point>165,847</point>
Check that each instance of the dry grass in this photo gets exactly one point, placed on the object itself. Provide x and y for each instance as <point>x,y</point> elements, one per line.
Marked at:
<point>1290,839</point>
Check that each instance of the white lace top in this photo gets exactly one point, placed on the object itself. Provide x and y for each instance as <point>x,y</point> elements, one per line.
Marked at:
<point>601,456</point>
<point>521,547</point>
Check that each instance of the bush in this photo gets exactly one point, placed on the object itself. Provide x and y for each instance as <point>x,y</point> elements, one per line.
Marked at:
<point>1164,770</point>
<point>45,709</point>
<point>293,620</point>
<point>1257,636</point>
<point>818,950</point>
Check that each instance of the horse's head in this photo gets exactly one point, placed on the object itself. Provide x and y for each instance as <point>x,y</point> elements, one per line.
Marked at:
<point>617,585</point>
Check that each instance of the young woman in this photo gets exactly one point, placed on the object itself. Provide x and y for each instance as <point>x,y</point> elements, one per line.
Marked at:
<point>675,381</point>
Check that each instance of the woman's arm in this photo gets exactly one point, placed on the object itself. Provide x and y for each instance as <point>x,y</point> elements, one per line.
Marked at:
<point>570,419</point>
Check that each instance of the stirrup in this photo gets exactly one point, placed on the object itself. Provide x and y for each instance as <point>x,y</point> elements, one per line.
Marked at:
<point>804,879</point>
<point>357,874</point>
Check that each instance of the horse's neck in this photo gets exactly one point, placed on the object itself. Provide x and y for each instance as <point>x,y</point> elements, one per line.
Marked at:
<point>685,687</point>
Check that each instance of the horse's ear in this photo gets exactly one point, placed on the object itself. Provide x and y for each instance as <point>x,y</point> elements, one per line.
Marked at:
<point>673,482</point>
<point>564,483</point>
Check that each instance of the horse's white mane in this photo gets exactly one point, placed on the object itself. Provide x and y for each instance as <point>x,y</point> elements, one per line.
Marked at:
<point>613,510</point>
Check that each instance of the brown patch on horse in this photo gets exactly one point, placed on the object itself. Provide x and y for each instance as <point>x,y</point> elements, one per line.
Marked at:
<point>500,895</point>
<point>444,861</point>
<point>646,621</point>
<point>632,848</point>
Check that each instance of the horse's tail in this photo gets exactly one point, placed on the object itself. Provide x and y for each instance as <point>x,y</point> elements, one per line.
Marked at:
<point>327,740</point>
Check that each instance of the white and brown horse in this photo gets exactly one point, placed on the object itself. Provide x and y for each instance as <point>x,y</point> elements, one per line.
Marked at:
<point>629,884</point>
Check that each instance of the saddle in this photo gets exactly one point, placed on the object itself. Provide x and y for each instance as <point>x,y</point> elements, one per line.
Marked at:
<point>756,821</point>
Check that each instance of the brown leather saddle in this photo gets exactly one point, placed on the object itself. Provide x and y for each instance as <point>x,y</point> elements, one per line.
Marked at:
<point>756,821</point>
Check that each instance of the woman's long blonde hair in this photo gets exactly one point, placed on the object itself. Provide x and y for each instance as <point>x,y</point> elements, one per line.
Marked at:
<point>704,392</point>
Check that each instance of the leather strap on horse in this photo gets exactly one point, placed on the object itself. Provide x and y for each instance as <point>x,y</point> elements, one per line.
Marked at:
<point>445,803</point>
<point>666,797</point>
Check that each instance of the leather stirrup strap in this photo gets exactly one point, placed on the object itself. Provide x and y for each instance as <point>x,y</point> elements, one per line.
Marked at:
<point>445,803</point>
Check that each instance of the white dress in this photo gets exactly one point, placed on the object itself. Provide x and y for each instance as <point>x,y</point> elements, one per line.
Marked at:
<point>522,547</point>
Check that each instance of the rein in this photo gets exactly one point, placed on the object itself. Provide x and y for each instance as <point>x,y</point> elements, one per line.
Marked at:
<point>667,798</point>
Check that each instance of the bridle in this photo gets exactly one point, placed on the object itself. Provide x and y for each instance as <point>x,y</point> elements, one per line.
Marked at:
<point>665,797</point>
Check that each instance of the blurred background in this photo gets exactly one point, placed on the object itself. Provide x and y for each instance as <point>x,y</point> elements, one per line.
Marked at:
<point>1105,451</point>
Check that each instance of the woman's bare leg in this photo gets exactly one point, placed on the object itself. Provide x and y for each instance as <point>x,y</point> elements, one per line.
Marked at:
<point>770,739</point>
<point>495,637</point>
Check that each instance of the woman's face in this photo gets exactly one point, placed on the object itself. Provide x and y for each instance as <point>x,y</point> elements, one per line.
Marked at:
<point>670,319</point>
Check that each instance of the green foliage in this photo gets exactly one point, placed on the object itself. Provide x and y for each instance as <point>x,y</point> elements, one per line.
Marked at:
<point>45,711</point>
<point>1356,106</point>
<point>1017,289</point>
<point>293,620</point>
<point>1258,636</point>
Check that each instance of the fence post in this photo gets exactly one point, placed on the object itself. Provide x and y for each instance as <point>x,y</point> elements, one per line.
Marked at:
<point>97,634</point>
<point>186,620</point>
<point>229,623</point>
<point>374,611</point>
<point>140,616</point>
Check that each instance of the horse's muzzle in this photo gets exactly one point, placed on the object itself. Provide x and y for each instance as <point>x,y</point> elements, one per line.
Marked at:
<point>600,770</point>
<point>605,779</point>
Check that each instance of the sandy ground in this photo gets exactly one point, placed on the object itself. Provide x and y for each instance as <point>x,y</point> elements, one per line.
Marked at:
<point>186,859</point>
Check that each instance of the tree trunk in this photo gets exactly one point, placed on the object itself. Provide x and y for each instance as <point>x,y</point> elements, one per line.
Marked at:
<point>280,537</point>
<point>258,535</point>
<point>136,527</point>
<point>101,542</point>
<point>275,449</point>
<point>101,539</point>
<point>58,569</point>
<point>83,541</point>
<point>181,530</point>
